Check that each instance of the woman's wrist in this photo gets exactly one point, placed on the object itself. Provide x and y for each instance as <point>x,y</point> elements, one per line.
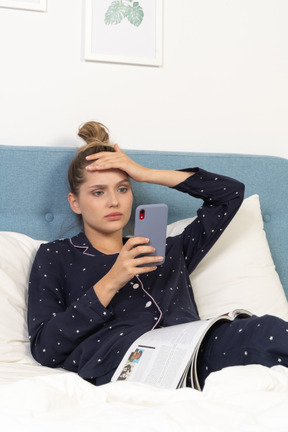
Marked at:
<point>105,290</point>
<point>168,178</point>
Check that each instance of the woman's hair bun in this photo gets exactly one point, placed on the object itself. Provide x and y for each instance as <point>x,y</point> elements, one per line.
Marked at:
<point>93,132</point>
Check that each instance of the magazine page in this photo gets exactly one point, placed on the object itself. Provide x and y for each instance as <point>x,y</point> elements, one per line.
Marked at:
<point>160,357</point>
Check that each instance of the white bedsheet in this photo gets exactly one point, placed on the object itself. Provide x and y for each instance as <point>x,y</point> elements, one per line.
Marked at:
<point>244,399</point>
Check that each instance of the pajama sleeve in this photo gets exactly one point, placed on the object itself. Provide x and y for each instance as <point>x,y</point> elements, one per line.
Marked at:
<point>56,325</point>
<point>222,197</point>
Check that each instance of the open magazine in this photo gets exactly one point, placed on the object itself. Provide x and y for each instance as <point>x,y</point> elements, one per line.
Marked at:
<point>167,357</point>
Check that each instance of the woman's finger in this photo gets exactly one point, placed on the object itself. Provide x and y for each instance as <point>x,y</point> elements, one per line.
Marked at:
<point>117,148</point>
<point>146,260</point>
<point>135,241</point>
<point>107,161</point>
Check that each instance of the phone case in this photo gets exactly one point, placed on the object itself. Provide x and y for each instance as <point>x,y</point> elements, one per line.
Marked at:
<point>151,222</point>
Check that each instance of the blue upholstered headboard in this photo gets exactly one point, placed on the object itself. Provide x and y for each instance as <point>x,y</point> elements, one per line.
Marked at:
<point>33,192</point>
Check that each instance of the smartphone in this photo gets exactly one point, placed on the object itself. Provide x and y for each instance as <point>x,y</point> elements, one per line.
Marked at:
<point>151,222</point>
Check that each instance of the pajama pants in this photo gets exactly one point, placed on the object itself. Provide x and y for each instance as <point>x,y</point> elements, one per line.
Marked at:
<point>255,340</point>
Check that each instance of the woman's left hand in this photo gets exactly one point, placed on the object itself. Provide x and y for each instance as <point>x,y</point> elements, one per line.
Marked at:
<point>117,160</point>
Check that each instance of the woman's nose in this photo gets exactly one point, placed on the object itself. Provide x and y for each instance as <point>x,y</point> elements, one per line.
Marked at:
<point>112,200</point>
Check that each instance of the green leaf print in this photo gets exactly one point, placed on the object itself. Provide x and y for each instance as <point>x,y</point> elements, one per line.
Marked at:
<point>135,14</point>
<point>120,9</point>
<point>115,13</point>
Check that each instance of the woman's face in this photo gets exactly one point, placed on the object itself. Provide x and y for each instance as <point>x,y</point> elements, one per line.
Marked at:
<point>104,201</point>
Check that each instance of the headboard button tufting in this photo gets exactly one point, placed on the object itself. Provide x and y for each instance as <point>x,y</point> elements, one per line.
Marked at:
<point>49,217</point>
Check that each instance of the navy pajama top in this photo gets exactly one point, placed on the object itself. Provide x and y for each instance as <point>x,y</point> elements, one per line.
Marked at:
<point>70,328</point>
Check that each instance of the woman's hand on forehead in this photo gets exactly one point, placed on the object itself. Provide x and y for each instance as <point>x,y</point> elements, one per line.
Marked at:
<point>117,160</point>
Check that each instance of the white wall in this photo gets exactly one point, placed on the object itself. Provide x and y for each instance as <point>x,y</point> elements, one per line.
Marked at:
<point>223,86</point>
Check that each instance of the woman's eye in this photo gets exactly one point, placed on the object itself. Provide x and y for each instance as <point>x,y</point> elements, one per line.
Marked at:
<point>97,193</point>
<point>123,189</point>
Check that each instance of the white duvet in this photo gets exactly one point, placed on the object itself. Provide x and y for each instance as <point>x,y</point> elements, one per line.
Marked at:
<point>239,399</point>
<point>244,399</point>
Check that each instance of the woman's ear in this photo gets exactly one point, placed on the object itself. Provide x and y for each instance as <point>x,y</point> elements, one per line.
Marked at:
<point>73,201</point>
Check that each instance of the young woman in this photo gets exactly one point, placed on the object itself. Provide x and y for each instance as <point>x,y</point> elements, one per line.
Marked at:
<point>88,297</point>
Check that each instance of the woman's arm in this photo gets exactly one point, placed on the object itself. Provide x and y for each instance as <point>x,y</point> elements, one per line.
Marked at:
<point>57,326</point>
<point>119,160</point>
<point>222,197</point>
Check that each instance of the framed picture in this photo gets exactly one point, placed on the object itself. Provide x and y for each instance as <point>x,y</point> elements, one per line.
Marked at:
<point>35,5</point>
<point>124,31</point>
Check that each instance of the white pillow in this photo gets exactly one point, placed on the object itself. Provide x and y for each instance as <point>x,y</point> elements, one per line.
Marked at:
<point>238,272</point>
<point>17,253</point>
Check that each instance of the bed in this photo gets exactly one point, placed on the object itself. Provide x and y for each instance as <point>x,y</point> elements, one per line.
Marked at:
<point>246,268</point>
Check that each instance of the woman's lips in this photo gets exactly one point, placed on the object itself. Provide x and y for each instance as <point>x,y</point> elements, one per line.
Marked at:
<point>113,216</point>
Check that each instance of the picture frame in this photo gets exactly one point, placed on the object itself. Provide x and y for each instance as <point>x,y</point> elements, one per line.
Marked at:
<point>124,31</point>
<point>32,5</point>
